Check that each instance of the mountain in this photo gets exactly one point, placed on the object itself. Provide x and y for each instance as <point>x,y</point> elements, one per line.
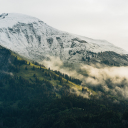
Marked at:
<point>35,40</point>
<point>32,96</point>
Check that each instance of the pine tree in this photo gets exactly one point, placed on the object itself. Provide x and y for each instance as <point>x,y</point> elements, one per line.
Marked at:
<point>26,68</point>
<point>33,68</point>
<point>34,75</point>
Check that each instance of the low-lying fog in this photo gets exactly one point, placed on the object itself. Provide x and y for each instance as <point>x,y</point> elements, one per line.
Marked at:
<point>113,80</point>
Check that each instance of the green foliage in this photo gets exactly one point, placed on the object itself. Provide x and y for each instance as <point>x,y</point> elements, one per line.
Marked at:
<point>77,81</point>
<point>19,62</point>
<point>26,68</point>
<point>36,97</point>
<point>33,68</point>
<point>36,105</point>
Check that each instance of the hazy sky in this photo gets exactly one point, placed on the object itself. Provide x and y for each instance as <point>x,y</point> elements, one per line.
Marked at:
<point>97,19</point>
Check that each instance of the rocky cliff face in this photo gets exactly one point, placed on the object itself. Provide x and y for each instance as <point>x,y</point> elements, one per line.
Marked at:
<point>35,40</point>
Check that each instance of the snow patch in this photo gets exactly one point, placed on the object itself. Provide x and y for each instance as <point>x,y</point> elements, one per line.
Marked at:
<point>34,39</point>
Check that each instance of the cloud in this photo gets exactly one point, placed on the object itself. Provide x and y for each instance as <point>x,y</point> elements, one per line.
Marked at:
<point>111,80</point>
<point>56,64</point>
<point>79,93</point>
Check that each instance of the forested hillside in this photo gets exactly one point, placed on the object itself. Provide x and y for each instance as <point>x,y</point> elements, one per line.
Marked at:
<point>32,96</point>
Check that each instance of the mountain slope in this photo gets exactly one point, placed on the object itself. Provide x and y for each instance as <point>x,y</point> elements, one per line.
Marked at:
<point>11,64</point>
<point>35,40</point>
<point>34,96</point>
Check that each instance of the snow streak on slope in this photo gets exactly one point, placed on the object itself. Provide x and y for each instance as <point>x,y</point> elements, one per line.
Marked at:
<point>34,39</point>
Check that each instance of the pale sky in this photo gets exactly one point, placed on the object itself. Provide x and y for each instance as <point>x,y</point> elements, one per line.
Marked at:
<point>97,19</point>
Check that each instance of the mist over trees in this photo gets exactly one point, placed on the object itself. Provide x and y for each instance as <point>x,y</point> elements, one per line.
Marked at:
<point>35,96</point>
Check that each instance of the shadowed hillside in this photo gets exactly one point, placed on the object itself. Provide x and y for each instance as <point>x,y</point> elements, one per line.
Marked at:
<point>32,96</point>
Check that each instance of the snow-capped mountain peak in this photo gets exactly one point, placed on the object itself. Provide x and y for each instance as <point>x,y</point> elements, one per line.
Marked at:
<point>34,39</point>
<point>11,19</point>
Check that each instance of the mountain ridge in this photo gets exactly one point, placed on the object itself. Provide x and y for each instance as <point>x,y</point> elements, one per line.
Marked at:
<point>35,40</point>
<point>34,96</point>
